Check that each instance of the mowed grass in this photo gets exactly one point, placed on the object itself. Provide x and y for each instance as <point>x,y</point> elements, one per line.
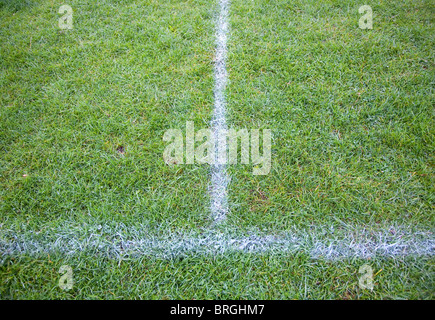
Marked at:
<point>234,276</point>
<point>351,112</point>
<point>83,111</point>
<point>83,114</point>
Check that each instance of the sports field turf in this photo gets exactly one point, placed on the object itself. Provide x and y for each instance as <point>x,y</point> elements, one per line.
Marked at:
<point>83,181</point>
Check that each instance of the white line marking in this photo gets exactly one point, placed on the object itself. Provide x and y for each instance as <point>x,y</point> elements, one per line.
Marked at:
<point>122,241</point>
<point>219,176</point>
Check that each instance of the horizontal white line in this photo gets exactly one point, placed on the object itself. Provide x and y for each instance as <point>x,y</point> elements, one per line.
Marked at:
<point>122,241</point>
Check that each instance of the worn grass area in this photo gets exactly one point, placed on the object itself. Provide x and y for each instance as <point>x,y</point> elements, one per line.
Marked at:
<point>83,114</point>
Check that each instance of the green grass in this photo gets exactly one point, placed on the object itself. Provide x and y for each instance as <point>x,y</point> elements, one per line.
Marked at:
<point>351,112</point>
<point>126,73</point>
<point>83,113</point>
<point>236,276</point>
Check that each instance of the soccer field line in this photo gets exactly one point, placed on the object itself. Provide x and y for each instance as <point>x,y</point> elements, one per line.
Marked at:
<point>219,176</point>
<point>121,241</point>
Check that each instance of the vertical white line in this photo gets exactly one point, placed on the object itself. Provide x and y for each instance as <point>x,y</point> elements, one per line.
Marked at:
<point>219,176</point>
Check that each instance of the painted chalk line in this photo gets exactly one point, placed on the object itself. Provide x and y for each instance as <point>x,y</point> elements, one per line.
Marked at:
<point>122,241</point>
<point>219,175</point>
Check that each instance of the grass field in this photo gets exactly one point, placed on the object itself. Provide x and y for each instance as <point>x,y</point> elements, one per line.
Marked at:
<point>83,181</point>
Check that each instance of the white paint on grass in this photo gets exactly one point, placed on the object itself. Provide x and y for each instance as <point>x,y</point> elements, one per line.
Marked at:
<point>121,242</point>
<point>219,176</point>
